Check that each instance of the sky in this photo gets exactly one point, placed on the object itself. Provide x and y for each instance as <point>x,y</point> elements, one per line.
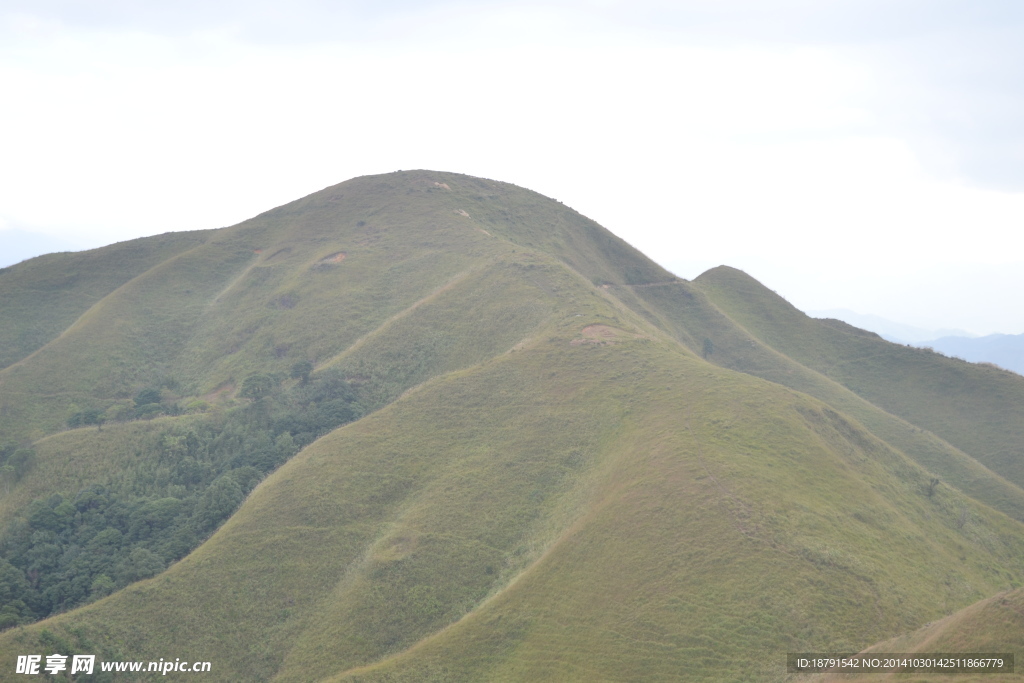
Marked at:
<point>849,154</point>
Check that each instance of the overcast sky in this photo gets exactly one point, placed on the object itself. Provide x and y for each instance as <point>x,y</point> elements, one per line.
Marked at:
<point>849,154</point>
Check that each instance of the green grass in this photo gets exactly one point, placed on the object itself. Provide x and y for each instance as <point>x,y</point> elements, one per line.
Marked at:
<point>42,297</point>
<point>992,625</point>
<point>127,341</point>
<point>974,407</point>
<point>687,313</point>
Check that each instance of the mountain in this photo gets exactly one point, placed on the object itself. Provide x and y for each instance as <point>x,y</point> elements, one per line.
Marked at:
<point>1004,350</point>
<point>424,426</point>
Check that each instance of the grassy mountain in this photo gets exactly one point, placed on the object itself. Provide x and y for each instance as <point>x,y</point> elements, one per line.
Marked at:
<point>498,444</point>
<point>40,298</point>
<point>978,409</point>
<point>687,312</point>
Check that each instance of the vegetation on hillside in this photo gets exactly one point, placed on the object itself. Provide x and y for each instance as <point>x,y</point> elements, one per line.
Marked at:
<point>43,296</point>
<point>65,549</point>
<point>976,408</point>
<point>993,625</point>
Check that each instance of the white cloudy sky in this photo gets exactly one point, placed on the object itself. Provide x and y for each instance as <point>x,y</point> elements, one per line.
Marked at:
<point>862,154</point>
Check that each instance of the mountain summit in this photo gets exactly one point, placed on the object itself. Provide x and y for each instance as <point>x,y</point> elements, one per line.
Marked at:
<point>425,426</point>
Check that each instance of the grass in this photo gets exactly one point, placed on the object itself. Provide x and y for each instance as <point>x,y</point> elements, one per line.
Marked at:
<point>973,407</point>
<point>992,625</point>
<point>692,557</point>
<point>685,311</point>
<point>124,343</point>
<point>42,297</point>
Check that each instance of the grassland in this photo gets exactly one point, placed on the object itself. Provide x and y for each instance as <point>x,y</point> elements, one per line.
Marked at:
<point>992,625</point>
<point>42,297</point>
<point>974,407</point>
<point>686,312</point>
<point>574,466</point>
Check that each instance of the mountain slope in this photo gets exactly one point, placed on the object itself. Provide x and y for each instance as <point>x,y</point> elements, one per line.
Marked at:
<point>568,464</point>
<point>42,297</point>
<point>978,409</point>
<point>686,312</point>
<point>993,625</point>
<point>264,293</point>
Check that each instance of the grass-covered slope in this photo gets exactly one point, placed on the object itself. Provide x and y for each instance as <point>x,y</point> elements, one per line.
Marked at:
<point>994,625</point>
<point>41,297</point>
<point>695,559</point>
<point>124,342</point>
<point>979,409</point>
<point>570,465</point>
<point>686,312</point>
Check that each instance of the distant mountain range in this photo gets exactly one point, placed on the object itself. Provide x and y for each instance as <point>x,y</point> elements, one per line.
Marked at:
<point>1004,350</point>
<point>423,426</point>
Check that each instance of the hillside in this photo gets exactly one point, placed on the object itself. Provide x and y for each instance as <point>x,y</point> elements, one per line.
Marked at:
<point>42,297</point>
<point>459,432</point>
<point>993,625</point>
<point>978,409</point>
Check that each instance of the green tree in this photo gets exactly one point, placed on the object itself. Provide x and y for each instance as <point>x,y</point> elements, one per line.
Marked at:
<point>83,418</point>
<point>257,386</point>
<point>302,370</point>
<point>147,396</point>
<point>217,503</point>
<point>102,586</point>
<point>22,460</point>
<point>141,564</point>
